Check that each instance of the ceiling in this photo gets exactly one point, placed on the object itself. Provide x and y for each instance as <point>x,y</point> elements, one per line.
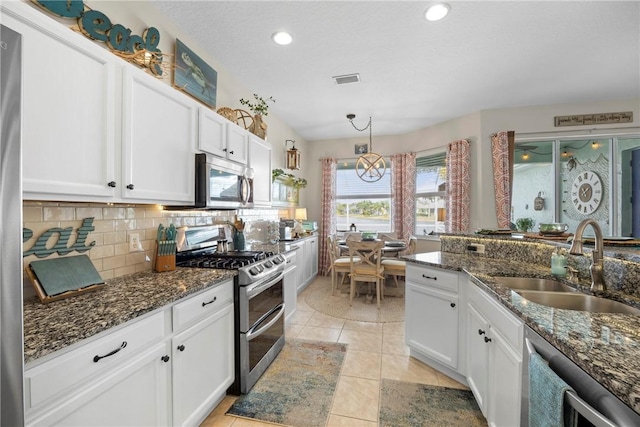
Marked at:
<point>415,73</point>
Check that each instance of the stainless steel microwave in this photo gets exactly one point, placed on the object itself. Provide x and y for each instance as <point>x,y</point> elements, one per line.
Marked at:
<point>221,184</point>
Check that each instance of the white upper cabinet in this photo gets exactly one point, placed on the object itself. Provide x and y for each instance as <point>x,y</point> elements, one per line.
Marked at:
<point>222,138</point>
<point>95,128</point>
<point>68,116</point>
<point>237,143</point>
<point>159,134</point>
<point>260,162</point>
<point>212,132</point>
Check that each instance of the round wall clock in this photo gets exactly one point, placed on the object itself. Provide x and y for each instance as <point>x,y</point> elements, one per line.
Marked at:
<point>586,192</point>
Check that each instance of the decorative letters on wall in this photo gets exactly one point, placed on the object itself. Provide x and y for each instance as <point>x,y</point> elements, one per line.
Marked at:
<point>40,249</point>
<point>143,50</point>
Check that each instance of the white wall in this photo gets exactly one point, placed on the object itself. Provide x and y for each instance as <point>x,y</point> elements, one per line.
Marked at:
<point>477,127</point>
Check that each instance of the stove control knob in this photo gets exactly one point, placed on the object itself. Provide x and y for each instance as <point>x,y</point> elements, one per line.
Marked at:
<point>253,271</point>
<point>277,260</point>
<point>268,264</point>
<point>260,268</point>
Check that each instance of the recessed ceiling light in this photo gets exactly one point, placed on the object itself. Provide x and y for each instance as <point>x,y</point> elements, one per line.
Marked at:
<point>282,38</point>
<point>437,12</point>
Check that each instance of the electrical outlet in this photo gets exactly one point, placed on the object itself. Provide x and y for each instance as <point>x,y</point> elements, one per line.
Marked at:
<point>476,247</point>
<point>134,243</point>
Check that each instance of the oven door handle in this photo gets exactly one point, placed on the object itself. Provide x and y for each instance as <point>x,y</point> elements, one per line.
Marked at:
<point>254,290</point>
<point>253,333</point>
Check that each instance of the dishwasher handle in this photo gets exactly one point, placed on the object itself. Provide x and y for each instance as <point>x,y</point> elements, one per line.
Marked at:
<point>576,378</point>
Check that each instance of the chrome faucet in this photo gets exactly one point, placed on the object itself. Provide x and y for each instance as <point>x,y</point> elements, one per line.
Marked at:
<point>597,261</point>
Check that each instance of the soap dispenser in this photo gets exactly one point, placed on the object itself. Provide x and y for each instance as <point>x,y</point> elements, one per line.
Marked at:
<point>559,262</point>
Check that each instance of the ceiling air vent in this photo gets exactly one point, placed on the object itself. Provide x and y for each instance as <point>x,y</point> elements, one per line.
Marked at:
<point>347,78</point>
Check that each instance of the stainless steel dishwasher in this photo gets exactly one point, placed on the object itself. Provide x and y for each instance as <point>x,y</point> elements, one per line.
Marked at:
<point>594,404</point>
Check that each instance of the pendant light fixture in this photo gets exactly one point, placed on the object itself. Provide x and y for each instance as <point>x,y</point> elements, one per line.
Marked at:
<point>292,160</point>
<point>370,166</point>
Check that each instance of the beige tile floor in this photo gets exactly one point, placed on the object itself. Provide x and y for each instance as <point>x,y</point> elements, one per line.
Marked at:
<point>375,351</point>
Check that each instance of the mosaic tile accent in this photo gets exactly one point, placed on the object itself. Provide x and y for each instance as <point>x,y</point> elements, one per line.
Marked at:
<point>303,372</point>
<point>411,405</point>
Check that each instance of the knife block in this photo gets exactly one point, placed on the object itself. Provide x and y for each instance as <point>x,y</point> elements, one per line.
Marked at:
<point>164,262</point>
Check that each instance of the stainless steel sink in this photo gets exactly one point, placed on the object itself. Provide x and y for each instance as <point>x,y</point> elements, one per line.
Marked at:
<point>578,301</point>
<point>534,284</point>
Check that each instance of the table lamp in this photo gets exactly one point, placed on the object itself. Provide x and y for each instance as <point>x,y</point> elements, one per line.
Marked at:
<point>300,215</point>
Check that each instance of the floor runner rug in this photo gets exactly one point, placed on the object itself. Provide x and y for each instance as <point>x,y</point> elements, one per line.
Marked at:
<point>297,389</point>
<point>408,404</point>
<point>319,297</point>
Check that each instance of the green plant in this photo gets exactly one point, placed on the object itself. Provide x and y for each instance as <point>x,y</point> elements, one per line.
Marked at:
<point>525,224</point>
<point>260,106</point>
<point>295,182</point>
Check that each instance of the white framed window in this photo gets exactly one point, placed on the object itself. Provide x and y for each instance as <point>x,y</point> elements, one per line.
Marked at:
<point>431,175</point>
<point>367,205</point>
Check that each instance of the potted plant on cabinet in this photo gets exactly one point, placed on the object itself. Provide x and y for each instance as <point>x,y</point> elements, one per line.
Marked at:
<point>259,108</point>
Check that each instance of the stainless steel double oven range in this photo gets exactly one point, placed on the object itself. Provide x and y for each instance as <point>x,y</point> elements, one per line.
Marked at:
<point>258,298</point>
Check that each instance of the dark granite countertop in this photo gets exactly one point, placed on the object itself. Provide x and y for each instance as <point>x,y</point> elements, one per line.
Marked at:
<point>54,326</point>
<point>606,346</point>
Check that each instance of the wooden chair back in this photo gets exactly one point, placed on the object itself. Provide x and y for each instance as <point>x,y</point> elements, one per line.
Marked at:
<point>365,255</point>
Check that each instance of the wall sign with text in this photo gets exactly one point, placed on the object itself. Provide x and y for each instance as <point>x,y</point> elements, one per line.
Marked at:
<point>593,119</point>
<point>59,240</point>
<point>97,26</point>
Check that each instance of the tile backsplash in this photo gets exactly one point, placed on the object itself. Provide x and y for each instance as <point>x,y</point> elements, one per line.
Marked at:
<point>114,224</point>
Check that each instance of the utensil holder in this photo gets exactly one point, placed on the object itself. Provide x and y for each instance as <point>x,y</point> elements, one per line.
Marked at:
<point>164,262</point>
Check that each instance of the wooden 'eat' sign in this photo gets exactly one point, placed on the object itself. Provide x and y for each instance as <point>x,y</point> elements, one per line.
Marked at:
<point>62,236</point>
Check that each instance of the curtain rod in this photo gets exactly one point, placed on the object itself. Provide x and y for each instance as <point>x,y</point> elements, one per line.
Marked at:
<point>607,131</point>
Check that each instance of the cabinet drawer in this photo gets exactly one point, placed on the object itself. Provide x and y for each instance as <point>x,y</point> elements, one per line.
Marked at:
<point>95,358</point>
<point>433,277</point>
<point>202,304</point>
<point>498,316</point>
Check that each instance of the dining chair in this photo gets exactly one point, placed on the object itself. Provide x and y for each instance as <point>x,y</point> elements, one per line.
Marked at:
<point>339,264</point>
<point>365,259</point>
<point>396,267</point>
<point>388,236</point>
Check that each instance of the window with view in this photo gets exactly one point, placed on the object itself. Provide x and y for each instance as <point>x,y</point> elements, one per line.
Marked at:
<point>365,204</point>
<point>431,175</point>
<point>570,179</point>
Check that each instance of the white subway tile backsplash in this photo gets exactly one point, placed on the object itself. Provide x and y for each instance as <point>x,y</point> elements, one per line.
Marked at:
<point>113,224</point>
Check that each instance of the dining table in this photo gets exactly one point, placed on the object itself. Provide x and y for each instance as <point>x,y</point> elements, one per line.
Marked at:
<point>390,248</point>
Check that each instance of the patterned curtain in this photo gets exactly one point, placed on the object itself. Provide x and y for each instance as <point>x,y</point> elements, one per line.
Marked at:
<point>502,145</point>
<point>403,194</point>
<point>328,221</point>
<point>458,186</point>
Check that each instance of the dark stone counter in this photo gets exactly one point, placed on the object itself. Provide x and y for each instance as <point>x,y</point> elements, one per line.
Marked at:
<point>606,346</point>
<point>54,326</point>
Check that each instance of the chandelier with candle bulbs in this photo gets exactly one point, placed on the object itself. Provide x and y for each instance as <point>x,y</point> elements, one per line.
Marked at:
<point>370,166</point>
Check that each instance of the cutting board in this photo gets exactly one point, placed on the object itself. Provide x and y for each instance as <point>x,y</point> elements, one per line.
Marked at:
<point>63,277</point>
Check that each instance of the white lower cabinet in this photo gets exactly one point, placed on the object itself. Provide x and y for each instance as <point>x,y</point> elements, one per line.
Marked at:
<point>134,394</point>
<point>457,328</point>
<point>290,284</point>
<point>431,310</point>
<point>494,358</point>
<point>141,373</point>
<point>202,366</point>
<point>477,356</point>
<point>307,261</point>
